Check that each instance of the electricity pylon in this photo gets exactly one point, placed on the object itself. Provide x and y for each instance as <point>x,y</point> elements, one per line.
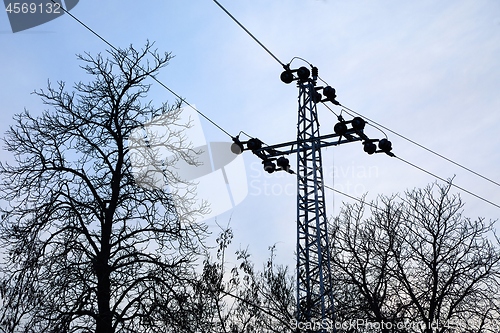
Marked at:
<point>315,295</point>
<point>314,285</point>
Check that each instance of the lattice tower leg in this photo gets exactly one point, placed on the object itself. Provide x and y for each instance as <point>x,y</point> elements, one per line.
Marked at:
<point>315,302</point>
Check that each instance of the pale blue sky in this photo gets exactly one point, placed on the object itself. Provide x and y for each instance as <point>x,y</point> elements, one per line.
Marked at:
<point>429,70</point>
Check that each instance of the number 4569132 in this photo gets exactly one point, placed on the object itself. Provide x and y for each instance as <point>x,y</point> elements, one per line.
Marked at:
<point>33,8</point>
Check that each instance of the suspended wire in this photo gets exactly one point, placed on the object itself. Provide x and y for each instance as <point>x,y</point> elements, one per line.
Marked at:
<point>249,33</point>
<point>379,129</point>
<point>415,143</point>
<point>449,182</point>
<point>248,135</point>
<point>338,117</point>
<point>333,179</point>
<point>319,77</point>
<point>423,170</point>
<point>304,60</point>
<point>250,303</point>
<point>354,198</point>
<point>372,121</point>
<point>283,65</point>
<point>152,76</point>
<point>228,134</point>
<point>368,123</point>
<point>329,108</point>
<point>191,106</point>
<point>425,148</point>
<point>199,112</point>
<point>370,204</point>
<point>270,53</point>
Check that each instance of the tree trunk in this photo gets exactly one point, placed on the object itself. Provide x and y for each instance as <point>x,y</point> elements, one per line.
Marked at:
<point>104,319</point>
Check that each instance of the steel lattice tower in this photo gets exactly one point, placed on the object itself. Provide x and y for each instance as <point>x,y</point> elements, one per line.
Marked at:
<point>314,285</point>
<point>315,299</point>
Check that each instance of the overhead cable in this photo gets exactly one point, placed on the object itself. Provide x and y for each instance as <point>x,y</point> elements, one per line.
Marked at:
<point>249,33</point>
<point>425,148</point>
<point>449,182</point>
<point>152,76</point>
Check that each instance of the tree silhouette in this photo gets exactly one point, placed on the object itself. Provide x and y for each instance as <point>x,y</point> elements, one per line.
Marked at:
<point>92,240</point>
<point>416,264</point>
<point>413,263</point>
<point>242,299</point>
<point>85,248</point>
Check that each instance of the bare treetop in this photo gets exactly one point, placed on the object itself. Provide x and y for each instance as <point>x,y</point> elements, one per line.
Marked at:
<point>87,248</point>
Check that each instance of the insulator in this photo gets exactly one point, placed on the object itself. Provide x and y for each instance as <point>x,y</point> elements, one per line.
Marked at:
<point>340,128</point>
<point>254,144</point>
<point>358,123</point>
<point>329,93</point>
<point>385,145</point>
<point>315,72</point>
<point>369,147</point>
<point>287,77</point>
<point>237,148</point>
<point>283,162</point>
<point>303,73</point>
<point>269,166</point>
<point>317,97</point>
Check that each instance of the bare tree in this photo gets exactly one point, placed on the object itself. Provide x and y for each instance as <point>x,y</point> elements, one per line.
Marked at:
<point>416,264</point>
<point>242,299</point>
<point>85,248</point>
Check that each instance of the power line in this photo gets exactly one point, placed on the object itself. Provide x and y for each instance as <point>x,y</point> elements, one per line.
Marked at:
<point>250,303</point>
<point>270,53</point>
<point>423,147</point>
<point>249,33</point>
<point>423,170</point>
<point>195,109</point>
<point>220,128</point>
<point>447,181</point>
<point>354,198</point>
<point>374,122</point>
<point>152,76</point>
